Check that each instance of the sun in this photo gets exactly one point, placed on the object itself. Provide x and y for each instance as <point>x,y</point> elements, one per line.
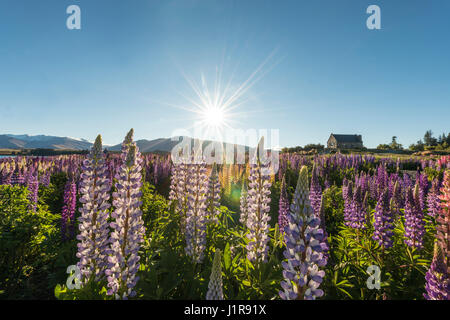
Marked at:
<point>218,106</point>
<point>214,117</point>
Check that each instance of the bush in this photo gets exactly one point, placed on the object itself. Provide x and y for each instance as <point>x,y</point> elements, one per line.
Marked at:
<point>25,238</point>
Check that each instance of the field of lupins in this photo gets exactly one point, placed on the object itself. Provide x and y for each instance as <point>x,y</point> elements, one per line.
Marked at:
<point>137,226</point>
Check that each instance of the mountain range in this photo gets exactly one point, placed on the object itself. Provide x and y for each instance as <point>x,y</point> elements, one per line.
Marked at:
<point>11,141</point>
<point>24,141</point>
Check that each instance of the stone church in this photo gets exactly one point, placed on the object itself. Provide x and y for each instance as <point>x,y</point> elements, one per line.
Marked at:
<point>345,141</point>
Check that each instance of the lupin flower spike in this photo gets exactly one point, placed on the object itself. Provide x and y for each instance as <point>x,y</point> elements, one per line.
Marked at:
<point>258,208</point>
<point>437,278</point>
<point>93,226</point>
<point>215,291</point>
<point>304,247</point>
<point>127,225</point>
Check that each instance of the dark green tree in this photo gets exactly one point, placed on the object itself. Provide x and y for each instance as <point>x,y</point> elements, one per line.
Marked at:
<point>428,139</point>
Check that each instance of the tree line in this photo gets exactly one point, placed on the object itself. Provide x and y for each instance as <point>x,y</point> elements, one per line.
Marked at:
<point>429,142</point>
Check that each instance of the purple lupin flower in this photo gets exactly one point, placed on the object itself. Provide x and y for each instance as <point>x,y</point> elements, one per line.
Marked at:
<point>282,167</point>
<point>422,186</point>
<point>45,178</point>
<point>6,176</point>
<point>357,214</point>
<point>418,196</point>
<point>283,207</point>
<point>258,208</point>
<point>195,233</point>
<point>173,193</point>
<point>68,210</point>
<point>373,187</point>
<point>397,199</point>
<point>304,239</point>
<point>347,194</point>
<point>244,204</point>
<point>393,179</point>
<point>383,221</point>
<point>156,173</point>
<point>32,185</point>
<point>213,198</point>
<point>315,193</point>
<point>407,181</point>
<point>443,220</point>
<point>414,223</point>
<point>128,226</point>
<point>423,181</point>
<point>93,222</point>
<point>382,179</point>
<point>363,182</point>
<point>182,183</point>
<point>324,244</point>
<point>365,206</point>
<point>437,279</point>
<point>3,173</point>
<point>18,178</point>
<point>433,201</point>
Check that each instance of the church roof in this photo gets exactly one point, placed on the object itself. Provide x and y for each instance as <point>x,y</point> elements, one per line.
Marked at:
<point>347,137</point>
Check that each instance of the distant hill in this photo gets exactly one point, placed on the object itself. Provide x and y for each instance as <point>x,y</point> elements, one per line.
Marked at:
<point>7,142</point>
<point>10,141</point>
<point>165,144</point>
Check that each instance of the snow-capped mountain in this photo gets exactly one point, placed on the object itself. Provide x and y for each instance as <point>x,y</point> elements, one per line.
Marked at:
<point>24,141</point>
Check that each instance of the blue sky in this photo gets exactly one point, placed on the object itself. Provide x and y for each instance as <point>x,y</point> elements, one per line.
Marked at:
<point>325,71</point>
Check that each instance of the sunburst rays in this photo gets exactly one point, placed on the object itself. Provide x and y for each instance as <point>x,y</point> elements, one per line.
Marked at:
<point>217,105</point>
